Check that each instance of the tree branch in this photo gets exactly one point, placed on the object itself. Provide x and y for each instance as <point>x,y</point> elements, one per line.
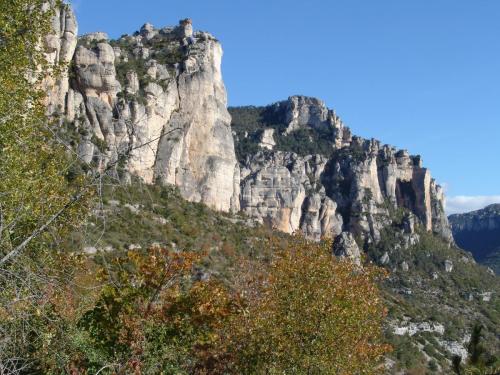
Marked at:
<point>18,249</point>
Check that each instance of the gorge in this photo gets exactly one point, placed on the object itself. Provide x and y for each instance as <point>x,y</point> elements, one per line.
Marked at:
<point>150,111</point>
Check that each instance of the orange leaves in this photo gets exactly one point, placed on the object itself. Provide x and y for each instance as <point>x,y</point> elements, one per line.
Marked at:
<point>305,312</point>
<point>155,313</point>
<point>314,314</point>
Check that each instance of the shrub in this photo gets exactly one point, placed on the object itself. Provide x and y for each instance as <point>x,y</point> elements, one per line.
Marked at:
<point>152,318</point>
<point>312,314</point>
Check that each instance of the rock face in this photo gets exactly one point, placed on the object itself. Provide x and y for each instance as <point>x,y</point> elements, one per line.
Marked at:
<point>448,265</point>
<point>479,233</point>
<point>350,184</point>
<point>151,105</point>
<point>345,246</point>
<point>303,111</point>
<point>267,139</point>
<point>411,329</point>
<point>60,46</point>
<point>283,190</point>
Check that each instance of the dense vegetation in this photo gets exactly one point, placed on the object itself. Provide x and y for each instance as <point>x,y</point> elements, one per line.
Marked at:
<point>249,123</point>
<point>423,293</point>
<point>152,315</point>
<point>38,204</point>
<point>165,309</point>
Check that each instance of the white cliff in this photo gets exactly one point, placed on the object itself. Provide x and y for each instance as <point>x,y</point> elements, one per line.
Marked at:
<point>151,106</point>
<point>284,191</point>
<point>60,46</point>
<point>359,183</point>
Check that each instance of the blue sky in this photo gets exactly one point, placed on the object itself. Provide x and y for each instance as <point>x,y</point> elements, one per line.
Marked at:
<point>419,74</point>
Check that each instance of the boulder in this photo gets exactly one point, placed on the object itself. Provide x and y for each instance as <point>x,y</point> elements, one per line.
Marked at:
<point>345,246</point>
<point>185,28</point>
<point>384,259</point>
<point>448,265</point>
<point>267,139</point>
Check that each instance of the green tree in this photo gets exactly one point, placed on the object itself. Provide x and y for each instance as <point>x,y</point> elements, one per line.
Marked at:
<point>480,361</point>
<point>37,203</point>
<point>475,348</point>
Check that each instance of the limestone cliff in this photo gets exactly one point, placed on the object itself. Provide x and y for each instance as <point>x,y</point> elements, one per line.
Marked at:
<point>157,98</point>
<point>323,180</point>
<point>60,46</point>
<point>152,106</point>
<point>284,189</point>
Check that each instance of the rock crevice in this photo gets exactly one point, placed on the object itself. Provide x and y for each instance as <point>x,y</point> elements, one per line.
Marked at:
<point>158,97</point>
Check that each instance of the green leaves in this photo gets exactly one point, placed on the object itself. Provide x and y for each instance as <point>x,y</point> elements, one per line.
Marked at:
<point>33,164</point>
<point>33,187</point>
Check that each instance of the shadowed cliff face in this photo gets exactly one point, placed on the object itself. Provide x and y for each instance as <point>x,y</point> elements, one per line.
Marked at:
<point>153,105</point>
<point>479,233</point>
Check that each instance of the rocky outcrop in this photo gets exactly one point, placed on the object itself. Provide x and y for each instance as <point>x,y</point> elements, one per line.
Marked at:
<point>267,139</point>
<point>479,233</point>
<point>284,190</point>
<point>60,46</point>
<point>151,105</point>
<point>95,72</point>
<point>358,184</point>
<point>448,265</point>
<point>196,151</point>
<point>345,246</point>
<point>303,111</point>
<point>440,223</point>
<point>406,327</point>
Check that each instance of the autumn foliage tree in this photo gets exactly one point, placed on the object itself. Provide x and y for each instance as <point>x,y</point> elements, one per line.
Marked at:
<point>153,316</point>
<point>305,313</point>
<point>314,315</point>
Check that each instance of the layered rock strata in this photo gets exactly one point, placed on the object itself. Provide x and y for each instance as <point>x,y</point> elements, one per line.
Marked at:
<point>357,185</point>
<point>152,106</point>
<point>60,47</point>
<point>157,98</point>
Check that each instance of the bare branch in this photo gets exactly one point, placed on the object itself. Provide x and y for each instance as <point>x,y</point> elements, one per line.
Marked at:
<point>42,228</point>
<point>18,249</point>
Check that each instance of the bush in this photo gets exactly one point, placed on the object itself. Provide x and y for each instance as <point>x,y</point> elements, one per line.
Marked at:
<point>152,318</point>
<point>312,314</point>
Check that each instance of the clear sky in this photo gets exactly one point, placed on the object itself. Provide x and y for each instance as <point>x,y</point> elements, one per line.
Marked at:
<point>419,74</point>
